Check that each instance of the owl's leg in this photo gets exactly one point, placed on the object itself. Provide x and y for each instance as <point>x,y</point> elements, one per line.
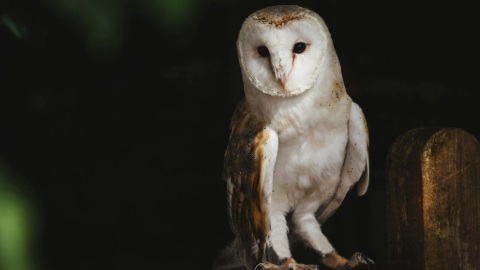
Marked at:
<point>279,245</point>
<point>309,229</point>
<point>278,237</point>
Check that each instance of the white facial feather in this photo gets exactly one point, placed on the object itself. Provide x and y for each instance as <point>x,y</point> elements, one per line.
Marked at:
<point>300,71</point>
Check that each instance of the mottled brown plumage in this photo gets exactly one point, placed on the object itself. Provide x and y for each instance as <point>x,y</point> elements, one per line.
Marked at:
<point>279,15</point>
<point>243,164</point>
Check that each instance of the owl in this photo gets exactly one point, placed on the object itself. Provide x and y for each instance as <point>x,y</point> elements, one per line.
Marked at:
<point>298,143</point>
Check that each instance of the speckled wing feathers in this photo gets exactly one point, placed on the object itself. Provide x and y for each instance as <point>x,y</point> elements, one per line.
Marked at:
<point>247,189</point>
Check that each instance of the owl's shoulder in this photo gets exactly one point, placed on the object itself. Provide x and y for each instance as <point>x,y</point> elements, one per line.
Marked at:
<point>244,119</point>
<point>247,134</point>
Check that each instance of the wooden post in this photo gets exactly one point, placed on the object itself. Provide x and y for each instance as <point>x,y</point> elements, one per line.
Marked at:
<point>433,200</point>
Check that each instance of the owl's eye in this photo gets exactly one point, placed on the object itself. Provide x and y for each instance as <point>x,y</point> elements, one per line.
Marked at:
<point>299,47</point>
<point>263,51</point>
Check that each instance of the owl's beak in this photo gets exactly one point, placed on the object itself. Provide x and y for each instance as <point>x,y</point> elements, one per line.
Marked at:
<point>283,81</point>
<point>281,70</point>
<point>280,75</point>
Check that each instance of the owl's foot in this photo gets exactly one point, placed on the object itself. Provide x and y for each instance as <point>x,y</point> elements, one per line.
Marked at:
<point>357,261</point>
<point>288,264</point>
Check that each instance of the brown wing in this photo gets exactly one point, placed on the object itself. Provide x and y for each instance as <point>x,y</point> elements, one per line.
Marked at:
<point>248,169</point>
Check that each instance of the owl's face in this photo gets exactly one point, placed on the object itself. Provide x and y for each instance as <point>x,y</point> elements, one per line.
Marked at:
<point>282,49</point>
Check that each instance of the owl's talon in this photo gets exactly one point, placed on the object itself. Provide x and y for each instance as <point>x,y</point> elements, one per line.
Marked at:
<point>289,264</point>
<point>359,259</point>
<point>367,261</point>
<point>337,262</point>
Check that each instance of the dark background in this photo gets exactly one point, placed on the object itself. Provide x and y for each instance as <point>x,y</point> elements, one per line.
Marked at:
<point>116,116</point>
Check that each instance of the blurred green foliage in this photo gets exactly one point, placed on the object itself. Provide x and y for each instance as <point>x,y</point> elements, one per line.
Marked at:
<point>104,24</point>
<point>17,223</point>
<point>15,25</point>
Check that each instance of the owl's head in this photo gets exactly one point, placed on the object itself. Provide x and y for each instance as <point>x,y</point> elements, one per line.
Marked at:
<point>282,49</point>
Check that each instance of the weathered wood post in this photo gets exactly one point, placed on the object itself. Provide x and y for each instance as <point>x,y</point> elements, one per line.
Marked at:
<point>433,200</point>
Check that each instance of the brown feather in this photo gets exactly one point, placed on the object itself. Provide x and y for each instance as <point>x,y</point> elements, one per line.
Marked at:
<point>242,166</point>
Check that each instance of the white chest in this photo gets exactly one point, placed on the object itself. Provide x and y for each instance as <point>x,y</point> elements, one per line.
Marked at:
<point>312,131</point>
<point>308,166</point>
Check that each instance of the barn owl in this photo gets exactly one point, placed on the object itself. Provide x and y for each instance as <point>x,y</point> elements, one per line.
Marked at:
<point>298,143</point>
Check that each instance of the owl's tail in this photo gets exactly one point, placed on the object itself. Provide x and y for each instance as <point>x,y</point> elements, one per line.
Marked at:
<point>229,258</point>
